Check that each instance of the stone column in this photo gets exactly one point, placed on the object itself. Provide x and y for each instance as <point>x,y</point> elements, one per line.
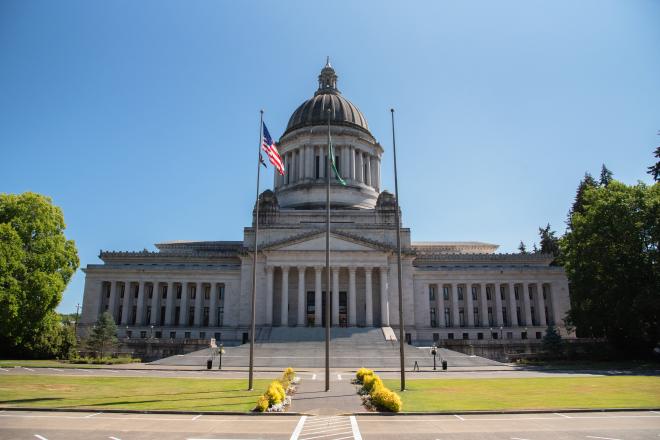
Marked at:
<point>169,303</point>
<point>301,167</point>
<point>199,301</point>
<point>309,155</point>
<point>499,319</point>
<point>112,301</point>
<point>127,303</point>
<point>484,306</point>
<point>284,314</point>
<point>183,305</point>
<point>540,304</point>
<point>351,163</point>
<point>513,306</point>
<point>455,321</point>
<point>155,310</point>
<point>526,304</point>
<point>359,175</point>
<point>352,312</point>
<point>378,174</point>
<point>367,177</point>
<point>318,300</point>
<point>469,306</point>
<point>384,298</point>
<point>440,301</point>
<point>139,313</point>
<point>301,296</point>
<point>269,295</point>
<point>322,163</point>
<point>372,167</point>
<point>213,305</point>
<point>335,296</point>
<point>368,296</point>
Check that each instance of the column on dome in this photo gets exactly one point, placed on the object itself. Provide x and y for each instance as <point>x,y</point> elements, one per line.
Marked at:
<point>344,162</point>
<point>377,174</point>
<point>455,322</point>
<point>368,296</point>
<point>469,305</point>
<point>269,295</point>
<point>155,306</point>
<point>351,162</point>
<point>373,168</point>
<point>183,305</point>
<point>367,161</point>
<point>284,315</point>
<point>335,296</point>
<point>301,163</point>
<point>127,303</point>
<point>112,302</point>
<point>540,304</point>
<point>213,304</point>
<point>497,291</point>
<point>322,164</point>
<point>359,169</point>
<point>318,301</point>
<point>526,304</point>
<point>169,304</point>
<point>384,297</point>
<point>301,296</point>
<point>199,301</point>
<point>309,155</point>
<point>352,311</point>
<point>484,305</point>
<point>513,306</point>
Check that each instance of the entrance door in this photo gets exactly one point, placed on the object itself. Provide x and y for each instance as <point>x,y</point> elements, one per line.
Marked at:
<point>343,310</point>
<point>311,308</point>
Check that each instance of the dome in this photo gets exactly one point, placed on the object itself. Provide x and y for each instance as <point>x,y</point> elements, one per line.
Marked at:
<point>314,110</point>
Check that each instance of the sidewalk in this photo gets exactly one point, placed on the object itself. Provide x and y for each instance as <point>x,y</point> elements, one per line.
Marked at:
<point>311,398</point>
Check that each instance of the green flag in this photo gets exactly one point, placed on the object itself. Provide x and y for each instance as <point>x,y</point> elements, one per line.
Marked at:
<point>334,165</point>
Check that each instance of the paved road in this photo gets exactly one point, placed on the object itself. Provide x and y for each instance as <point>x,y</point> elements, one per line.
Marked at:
<point>575,426</point>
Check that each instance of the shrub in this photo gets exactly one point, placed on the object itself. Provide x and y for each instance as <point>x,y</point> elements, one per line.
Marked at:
<point>386,399</point>
<point>359,376</point>
<point>289,374</point>
<point>262,404</point>
<point>370,382</point>
<point>275,393</point>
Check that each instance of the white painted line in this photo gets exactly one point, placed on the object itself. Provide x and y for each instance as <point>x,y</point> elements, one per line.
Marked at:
<point>55,369</point>
<point>3,369</point>
<point>656,412</point>
<point>356,430</point>
<point>92,415</point>
<point>459,417</point>
<point>82,369</point>
<point>314,376</point>
<point>326,428</point>
<point>40,437</point>
<point>516,438</point>
<point>114,438</point>
<point>339,377</point>
<point>29,369</point>
<point>112,371</point>
<point>327,435</point>
<point>197,416</point>
<point>603,438</point>
<point>299,427</point>
<point>563,415</point>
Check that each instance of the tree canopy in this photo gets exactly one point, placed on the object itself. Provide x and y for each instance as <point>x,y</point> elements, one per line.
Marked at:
<point>103,334</point>
<point>610,253</point>
<point>36,263</point>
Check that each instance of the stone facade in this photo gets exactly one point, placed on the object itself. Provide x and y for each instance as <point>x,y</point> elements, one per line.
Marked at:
<point>200,290</point>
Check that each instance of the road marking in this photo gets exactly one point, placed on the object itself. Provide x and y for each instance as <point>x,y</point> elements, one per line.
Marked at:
<point>299,427</point>
<point>603,438</point>
<point>40,437</point>
<point>314,376</point>
<point>327,435</point>
<point>516,438</point>
<point>339,377</point>
<point>326,428</point>
<point>459,417</point>
<point>112,371</point>
<point>356,430</point>
<point>197,416</point>
<point>55,369</point>
<point>3,369</point>
<point>82,369</point>
<point>92,415</point>
<point>656,412</point>
<point>29,369</point>
<point>563,415</point>
<point>114,438</point>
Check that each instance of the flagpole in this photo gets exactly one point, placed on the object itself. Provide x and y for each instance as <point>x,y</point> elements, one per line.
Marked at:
<point>328,295</point>
<point>397,215</point>
<point>254,261</point>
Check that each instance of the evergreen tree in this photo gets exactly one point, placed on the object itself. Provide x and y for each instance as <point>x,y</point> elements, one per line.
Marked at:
<point>587,182</point>
<point>103,334</point>
<point>605,176</point>
<point>654,170</point>
<point>522,248</point>
<point>549,241</point>
<point>552,342</point>
<point>535,248</point>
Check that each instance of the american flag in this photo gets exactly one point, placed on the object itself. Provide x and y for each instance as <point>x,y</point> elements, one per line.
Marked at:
<point>268,145</point>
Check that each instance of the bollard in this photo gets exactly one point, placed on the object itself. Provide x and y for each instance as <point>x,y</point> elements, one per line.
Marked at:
<point>444,365</point>
<point>209,363</point>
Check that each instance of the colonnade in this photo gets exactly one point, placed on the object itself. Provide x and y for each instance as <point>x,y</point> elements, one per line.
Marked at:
<point>307,163</point>
<point>319,282</point>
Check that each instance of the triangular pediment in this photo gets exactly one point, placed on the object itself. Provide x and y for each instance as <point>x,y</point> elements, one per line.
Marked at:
<point>316,242</point>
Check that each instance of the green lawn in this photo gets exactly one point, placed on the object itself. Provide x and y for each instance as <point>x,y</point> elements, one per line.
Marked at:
<point>37,363</point>
<point>529,394</point>
<point>129,393</point>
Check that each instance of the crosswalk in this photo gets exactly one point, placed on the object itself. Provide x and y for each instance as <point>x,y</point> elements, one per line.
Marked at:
<point>327,428</point>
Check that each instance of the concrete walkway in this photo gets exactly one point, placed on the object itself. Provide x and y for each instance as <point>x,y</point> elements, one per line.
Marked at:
<point>311,397</point>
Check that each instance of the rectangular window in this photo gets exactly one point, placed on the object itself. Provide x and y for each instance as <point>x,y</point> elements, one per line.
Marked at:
<point>490,316</point>
<point>449,335</point>
<point>529,290</point>
<point>460,293</point>
<point>436,337</point>
<point>134,315</point>
<point>434,321</point>
<point>445,293</point>
<point>338,164</point>
<point>547,316</point>
<point>129,333</point>
<point>162,315</point>
<point>502,293</point>
<point>107,292</point>
<point>461,317</point>
<point>475,314</point>
<point>206,316</point>
<point>218,337</point>
<point>509,335</point>
<point>178,293</point>
<point>173,334</point>
<point>494,335</point>
<point>516,292</point>
<point>474,293</point>
<point>466,336</point>
<point>545,292</point>
<point>447,317</point>
<point>135,294</point>
<point>480,335</point>
<point>207,292</point>
<point>143,334</point>
<point>202,335</point>
<point>488,293</point>
<point>505,319</point>
<point>159,334</point>
<point>186,335</point>
<point>538,335</point>
<point>431,293</point>
<point>523,335</point>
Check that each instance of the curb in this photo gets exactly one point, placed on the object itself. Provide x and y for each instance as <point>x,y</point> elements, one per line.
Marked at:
<point>531,411</point>
<point>154,411</point>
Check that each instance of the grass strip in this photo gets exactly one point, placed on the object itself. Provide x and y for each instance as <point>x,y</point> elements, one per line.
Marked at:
<point>529,393</point>
<point>140,393</point>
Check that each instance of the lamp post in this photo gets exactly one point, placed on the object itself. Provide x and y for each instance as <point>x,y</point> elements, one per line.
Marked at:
<point>501,331</point>
<point>221,351</point>
<point>151,332</point>
<point>434,352</point>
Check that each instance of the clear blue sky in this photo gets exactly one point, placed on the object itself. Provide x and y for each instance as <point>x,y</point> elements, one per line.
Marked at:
<point>140,119</point>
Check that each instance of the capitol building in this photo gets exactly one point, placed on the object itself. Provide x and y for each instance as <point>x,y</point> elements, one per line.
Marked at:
<point>197,290</point>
